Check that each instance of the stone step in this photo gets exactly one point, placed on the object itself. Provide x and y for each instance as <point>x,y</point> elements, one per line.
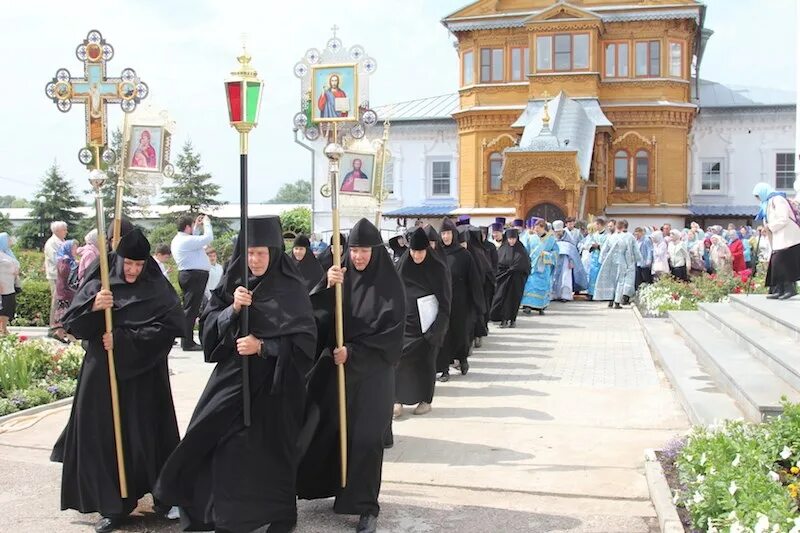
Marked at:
<point>783,316</point>
<point>777,351</point>
<point>702,400</point>
<point>747,380</point>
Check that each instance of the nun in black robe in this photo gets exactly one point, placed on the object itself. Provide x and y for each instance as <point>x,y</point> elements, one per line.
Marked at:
<point>225,476</point>
<point>478,253</point>
<point>398,246</point>
<point>326,257</point>
<point>467,303</point>
<point>415,377</point>
<point>147,317</point>
<point>374,316</point>
<point>308,265</point>
<point>514,265</point>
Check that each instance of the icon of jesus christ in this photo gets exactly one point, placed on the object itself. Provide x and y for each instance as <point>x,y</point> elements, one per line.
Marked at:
<point>327,100</point>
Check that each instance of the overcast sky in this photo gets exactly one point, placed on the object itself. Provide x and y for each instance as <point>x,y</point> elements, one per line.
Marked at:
<point>184,49</point>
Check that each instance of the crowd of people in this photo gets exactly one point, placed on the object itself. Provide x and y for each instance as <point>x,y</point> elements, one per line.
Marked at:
<point>414,309</point>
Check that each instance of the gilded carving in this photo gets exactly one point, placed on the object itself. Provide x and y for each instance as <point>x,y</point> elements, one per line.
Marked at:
<point>520,168</point>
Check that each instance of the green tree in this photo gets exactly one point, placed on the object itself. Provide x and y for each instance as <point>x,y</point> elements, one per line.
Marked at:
<point>298,192</point>
<point>9,200</point>
<point>5,223</point>
<point>55,200</point>
<point>191,189</point>
<point>296,221</point>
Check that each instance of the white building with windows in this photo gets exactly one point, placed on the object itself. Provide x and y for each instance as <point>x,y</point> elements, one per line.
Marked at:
<point>739,137</point>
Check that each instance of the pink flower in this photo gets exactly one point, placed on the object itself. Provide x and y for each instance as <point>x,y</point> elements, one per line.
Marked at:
<point>22,338</point>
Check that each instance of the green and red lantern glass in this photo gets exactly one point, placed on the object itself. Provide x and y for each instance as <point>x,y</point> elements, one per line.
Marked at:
<point>244,101</point>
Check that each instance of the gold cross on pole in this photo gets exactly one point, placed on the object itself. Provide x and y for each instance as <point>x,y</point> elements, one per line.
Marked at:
<point>334,29</point>
<point>95,90</point>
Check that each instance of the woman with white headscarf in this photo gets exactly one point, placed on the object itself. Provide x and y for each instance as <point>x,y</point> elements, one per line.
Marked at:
<point>660,254</point>
<point>679,259</point>
<point>783,231</point>
<point>721,257</point>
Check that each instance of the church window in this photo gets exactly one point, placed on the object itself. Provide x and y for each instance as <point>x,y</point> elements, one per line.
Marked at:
<point>580,58</point>
<point>491,64</point>
<point>544,52</point>
<point>712,176</point>
<point>621,170</point>
<point>648,59</point>
<point>676,59</point>
<point>495,167</point>
<point>616,60</point>
<point>468,69</point>
<point>562,52</point>
<point>440,178</point>
<point>784,171</point>
<point>520,63</point>
<point>642,182</point>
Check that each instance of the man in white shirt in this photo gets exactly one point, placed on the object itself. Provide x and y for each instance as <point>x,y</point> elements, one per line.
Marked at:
<point>214,273</point>
<point>59,230</point>
<point>188,250</point>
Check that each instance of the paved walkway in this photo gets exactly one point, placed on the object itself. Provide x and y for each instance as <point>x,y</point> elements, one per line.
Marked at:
<point>546,433</point>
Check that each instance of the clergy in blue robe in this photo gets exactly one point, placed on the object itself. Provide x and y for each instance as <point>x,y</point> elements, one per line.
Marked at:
<point>543,251</point>
<point>569,276</point>
<point>617,277</point>
<point>594,242</point>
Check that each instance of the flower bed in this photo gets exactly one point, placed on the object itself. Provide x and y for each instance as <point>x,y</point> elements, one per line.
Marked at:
<point>35,372</point>
<point>670,294</point>
<point>737,476</point>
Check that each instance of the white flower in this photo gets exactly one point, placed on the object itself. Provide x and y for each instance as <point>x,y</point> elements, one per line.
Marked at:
<point>703,459</point>
<point>762,525</point>
<point>737,527</point>
<point>796,527</point>
<point>698,497</point>
<point>732,488</point>
<point>689,458</point>
<point>786,453</point>
<point>700,478</point>
<point>712,471</point>
<point>737,460</point>
<point>774,476</point>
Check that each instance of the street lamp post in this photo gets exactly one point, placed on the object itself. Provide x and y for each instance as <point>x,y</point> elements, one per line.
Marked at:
<point>243,92</point>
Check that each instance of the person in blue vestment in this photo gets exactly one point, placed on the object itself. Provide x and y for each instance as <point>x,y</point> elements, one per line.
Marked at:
<point>569,276</point>
<point>543,251</point>
<point>594,243</point>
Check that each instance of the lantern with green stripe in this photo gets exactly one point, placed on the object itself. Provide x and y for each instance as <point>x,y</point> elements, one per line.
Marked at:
<point>243,91</point>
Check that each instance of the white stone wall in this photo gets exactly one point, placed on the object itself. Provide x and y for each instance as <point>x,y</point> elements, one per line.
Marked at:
<point>746,141</point>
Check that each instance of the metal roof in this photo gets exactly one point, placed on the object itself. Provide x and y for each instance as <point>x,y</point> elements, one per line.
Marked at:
<point>431,108</point>
<point>421,211</point>
<point>573,125</point>
<point>724,210</point>
<point>713,94</point>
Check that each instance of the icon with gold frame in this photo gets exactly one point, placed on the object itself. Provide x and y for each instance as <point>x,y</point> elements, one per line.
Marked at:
<point>334,93</point>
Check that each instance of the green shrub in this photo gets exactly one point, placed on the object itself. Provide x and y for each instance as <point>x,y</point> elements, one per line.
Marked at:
<point>38,353</point>
<point>14,371</point>
<point>31,265</point>
<point>68,360</point>
<point>30,397</point>
<point>33,304</point>
<point>7,407</point>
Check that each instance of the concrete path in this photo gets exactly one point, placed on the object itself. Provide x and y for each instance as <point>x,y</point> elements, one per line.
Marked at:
<point>546,433</point>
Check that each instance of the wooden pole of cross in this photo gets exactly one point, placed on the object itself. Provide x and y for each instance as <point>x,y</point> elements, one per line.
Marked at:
<point>95,91</point>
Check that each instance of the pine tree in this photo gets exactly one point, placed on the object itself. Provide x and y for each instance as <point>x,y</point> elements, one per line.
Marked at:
<point>191,188</point>
<point>55,200</point>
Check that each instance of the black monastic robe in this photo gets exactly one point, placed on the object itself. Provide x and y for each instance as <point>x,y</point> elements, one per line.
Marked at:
<point>147,317</point>
<point>223,475</point>
<point>374,316</point>
<point>415,377</point>
<point>513,268</point>
<point>467,304</point>
<point>310,269</point>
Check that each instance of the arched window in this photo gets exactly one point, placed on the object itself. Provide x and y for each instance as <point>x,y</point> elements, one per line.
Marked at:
<point>642,171</point>
<point>621,170</point>
<point>495,167</point>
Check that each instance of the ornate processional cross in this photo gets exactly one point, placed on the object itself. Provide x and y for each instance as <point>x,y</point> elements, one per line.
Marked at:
<point>95,90</point>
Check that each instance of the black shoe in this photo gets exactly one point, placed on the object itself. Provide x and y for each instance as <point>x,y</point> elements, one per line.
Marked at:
<point>445,377</point>
<point>626,300</point>
<point>541,312</point>
<point>504,324</point>
<point>464,367</point>
<point>617,306</point>
<point>284,526</point>
<point>611,304</point>
<point>774,296</point>
<point>526,310</point>
<point>107,524</point>
<point>512,324</point>
<point>193,348</point>
<point>787,295</point>
<point>478,342</point>
<point>367,524</point>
